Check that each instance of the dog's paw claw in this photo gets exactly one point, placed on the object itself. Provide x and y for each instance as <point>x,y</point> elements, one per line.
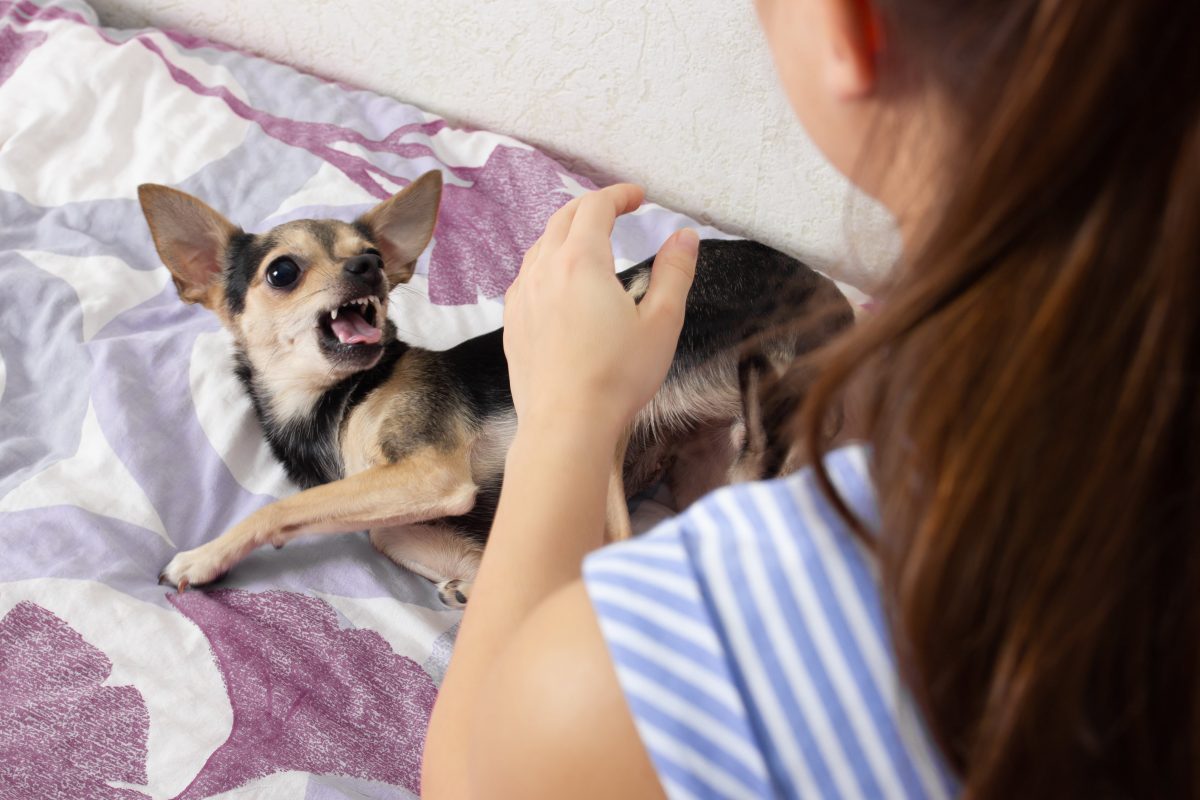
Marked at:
<point>193,568</point>
<point>455,594</point>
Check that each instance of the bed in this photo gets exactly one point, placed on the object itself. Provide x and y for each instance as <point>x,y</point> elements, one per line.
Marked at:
<point>124,436</point>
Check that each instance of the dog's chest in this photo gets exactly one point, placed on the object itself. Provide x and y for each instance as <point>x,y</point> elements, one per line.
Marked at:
<point>360,443</point>
<point>308,453</point>
<point>304,443</point>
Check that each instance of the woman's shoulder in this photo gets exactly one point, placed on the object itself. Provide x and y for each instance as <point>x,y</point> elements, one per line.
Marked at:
<point>747,549</point>
<point>796,502</point>
<point>791,517</point>
<point>749,636</point>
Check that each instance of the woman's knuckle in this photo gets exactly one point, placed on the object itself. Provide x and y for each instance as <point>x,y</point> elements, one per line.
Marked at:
<point>568,255</point>
<point>564,211</point>
<point>669,307</point>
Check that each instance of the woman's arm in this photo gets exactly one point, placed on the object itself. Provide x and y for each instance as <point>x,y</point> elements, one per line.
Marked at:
<point>583,358</point>
<point>551,514</point>
<point>556,725</point>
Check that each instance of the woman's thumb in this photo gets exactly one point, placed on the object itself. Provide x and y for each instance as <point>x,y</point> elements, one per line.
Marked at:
<point>671,277</point>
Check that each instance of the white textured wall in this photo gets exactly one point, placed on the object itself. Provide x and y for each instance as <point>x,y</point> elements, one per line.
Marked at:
<point>678,95</point>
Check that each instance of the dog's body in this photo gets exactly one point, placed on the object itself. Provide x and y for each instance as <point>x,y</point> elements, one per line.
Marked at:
<point>410,443</point>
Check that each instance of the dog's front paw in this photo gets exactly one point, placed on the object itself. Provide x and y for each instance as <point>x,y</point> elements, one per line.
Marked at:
<point>454,593</point>
<point>194,568</point>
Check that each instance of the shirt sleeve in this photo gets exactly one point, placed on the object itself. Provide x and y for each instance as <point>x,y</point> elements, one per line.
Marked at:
<point>749,638</point>
<point>673,669</point>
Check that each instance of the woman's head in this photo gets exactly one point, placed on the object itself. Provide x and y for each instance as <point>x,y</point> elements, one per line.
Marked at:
<point>898,93</point>
<point>1034,370</point>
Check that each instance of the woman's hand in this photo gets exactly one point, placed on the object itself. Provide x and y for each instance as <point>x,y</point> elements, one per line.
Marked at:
<point>583,358</point>
<point>578,346</point>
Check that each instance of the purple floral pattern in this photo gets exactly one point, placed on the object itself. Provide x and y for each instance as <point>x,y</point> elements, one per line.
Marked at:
<point>63,733</point>
<point>308,695</point>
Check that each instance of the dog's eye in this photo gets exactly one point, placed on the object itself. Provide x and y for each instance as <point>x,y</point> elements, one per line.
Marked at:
<point>282,273</point>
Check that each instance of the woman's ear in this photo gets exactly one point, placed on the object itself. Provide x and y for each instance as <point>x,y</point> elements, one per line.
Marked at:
<point>853,42</point>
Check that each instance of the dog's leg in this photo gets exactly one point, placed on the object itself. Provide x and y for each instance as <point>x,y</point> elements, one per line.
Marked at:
<point>772,397</point>
<point>436,553</point>
<point>772,394</point>
<point>702,463</point>
<point>426,485</point>
<point>617,526</point>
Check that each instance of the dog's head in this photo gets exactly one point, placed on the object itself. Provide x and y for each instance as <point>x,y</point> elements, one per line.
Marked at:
<point>307,300</point>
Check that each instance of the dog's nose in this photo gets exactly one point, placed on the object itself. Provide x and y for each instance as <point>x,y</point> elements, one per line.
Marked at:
<point>362,265</point>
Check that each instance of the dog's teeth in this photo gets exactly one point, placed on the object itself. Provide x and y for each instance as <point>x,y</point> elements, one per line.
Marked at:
<point>333,314</point>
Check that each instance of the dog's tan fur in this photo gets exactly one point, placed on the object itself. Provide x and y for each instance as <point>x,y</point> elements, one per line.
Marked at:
<point>426,485</point>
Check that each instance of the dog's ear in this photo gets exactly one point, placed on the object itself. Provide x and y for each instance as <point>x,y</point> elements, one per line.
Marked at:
<point>191,239</point>
<point>403,225</point>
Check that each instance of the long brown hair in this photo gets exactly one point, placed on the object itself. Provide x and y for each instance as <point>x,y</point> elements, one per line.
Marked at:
<point>1034,398</point>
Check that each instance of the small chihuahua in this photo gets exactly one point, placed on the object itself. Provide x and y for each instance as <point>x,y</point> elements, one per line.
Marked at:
<point>410,443</point>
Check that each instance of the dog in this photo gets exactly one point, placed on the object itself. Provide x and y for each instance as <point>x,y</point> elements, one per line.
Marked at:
<point>410,443</point>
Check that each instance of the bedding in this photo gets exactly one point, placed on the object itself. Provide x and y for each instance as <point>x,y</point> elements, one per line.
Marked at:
<point>124,437</point>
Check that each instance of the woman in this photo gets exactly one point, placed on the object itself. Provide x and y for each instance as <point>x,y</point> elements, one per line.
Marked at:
<point>1013,610</point>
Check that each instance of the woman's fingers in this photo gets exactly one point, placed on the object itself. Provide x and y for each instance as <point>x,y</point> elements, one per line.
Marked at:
<point>532,253</point>
<point>670,280</point>
<point>587,220</point>
<point>593,221</point>
<point>559,224</point>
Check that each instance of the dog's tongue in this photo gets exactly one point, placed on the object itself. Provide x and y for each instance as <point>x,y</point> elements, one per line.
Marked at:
<point>351,328</point>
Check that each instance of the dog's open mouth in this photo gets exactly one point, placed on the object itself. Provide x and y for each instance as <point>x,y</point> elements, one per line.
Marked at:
<point>355,323</point>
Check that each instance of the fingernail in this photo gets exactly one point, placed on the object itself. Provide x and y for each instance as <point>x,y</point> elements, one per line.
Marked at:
<point>688,240</point>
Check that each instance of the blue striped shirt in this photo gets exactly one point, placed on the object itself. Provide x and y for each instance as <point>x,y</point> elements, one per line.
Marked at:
<point>749,638</point>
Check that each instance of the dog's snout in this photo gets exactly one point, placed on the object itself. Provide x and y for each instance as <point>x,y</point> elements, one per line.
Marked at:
<point>365,271</point>
<point>364,264</point>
